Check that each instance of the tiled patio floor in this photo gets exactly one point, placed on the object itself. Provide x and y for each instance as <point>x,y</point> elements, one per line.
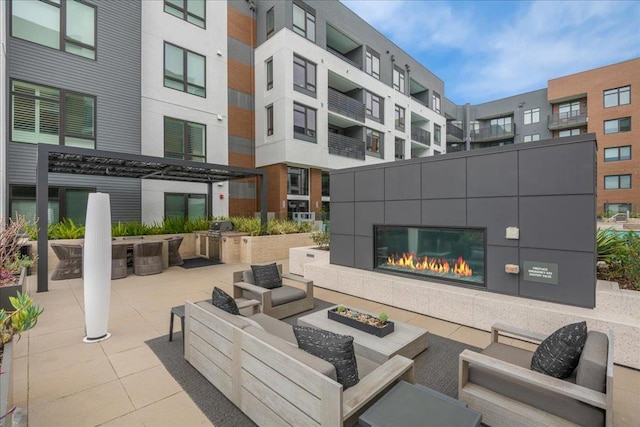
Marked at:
<point>120,382</point>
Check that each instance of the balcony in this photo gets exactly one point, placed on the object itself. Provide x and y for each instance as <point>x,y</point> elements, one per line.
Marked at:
<point>345,105</point>
<point>345,146</point>
<point>454,133</point>
<point>567,120</point>
<point>344,47</point>
<point>493,133</point>
<point>420,135</point>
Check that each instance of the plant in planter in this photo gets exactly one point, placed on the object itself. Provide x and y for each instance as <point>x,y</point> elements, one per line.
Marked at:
<point>379,326</point>
<point>13,261</point>
<point>322,239</point>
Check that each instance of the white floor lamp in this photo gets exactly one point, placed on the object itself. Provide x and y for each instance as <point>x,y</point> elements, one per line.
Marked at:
<point>97,267</point>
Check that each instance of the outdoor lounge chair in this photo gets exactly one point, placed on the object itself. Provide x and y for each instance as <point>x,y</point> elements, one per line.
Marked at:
<point>70,261</point>
<point>147,258</point>
<point>118,261</point>
<point>500,384</point>
<point>279,302</point>
<point>174,247</point>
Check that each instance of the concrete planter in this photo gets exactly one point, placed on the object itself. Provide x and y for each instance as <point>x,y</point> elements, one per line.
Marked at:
<point>6,385</point>
<point>12,291</point>
<point>259,249</point>
<point>299,257</point>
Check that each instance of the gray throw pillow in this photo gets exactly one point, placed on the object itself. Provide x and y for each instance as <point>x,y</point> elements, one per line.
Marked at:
<point>224,301</point>
<point>559,354</point>
<point>267,276</point>
<point>334,348</point>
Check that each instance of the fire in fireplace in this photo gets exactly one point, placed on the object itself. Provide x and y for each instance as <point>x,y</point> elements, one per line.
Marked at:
<point>456,254</point>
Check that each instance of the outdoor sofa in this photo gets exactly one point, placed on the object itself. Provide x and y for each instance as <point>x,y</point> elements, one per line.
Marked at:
<point>256,363</point>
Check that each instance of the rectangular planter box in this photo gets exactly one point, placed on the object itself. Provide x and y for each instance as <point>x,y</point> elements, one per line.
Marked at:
<point>364,327</point>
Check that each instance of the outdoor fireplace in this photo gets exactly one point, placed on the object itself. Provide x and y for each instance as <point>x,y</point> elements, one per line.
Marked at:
<point>445,253</point>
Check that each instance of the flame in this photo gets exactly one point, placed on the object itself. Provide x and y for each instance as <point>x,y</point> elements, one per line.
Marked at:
<point>435,265</point>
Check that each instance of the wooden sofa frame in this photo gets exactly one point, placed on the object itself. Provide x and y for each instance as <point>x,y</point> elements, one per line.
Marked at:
<point>271,387</point>
<point>500,410</point>
<point>279,311</point>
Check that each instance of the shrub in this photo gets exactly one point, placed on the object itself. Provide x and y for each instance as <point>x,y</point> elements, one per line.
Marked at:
<point>66,229</point>
<point>24,317</point>
<point>608,244</point>
<point>322,239</point>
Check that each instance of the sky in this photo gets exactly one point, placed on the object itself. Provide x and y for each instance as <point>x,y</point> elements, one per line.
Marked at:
<point>488,50</point>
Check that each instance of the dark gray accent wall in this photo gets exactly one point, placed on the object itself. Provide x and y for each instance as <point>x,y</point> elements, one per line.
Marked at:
<point>113,78</point>
<point>546,189</point>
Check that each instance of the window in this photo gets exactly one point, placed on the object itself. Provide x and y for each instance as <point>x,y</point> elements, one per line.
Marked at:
<point>615,208</point>
<point>619,96</point>
<point>304,123</point>
<point>271,23</point>
<point>372,106</point>
<point>399,149</point>
<point>69,25</point>
<point>304,75</point>
<point>298,181</point>
<point>192,11</point>
<point>500,125</point>
<point>270,120</point>
<point>399,115</point>
<point>398,79</point>
<point>571,109</point>
<point>617,125</point>
<point>269,73</point>
<point>372,63</point>
<point>617,153</point>
<point>531,116</point>
<point>437,134</point>
<point>325,184</point>
<point>183,205</point>
<point>568,132</point>
<point>304,22</point>
<point>64,202</point>
<point>374,142</point>
<point>184,140</point>
<point>617,182</point>
<point>436,102</point>
<point>184,70</point>
<point>530,138</point>
<point>45,115</point>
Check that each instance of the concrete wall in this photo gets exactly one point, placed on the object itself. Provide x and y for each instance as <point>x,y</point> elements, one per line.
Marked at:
<point>546,189</point>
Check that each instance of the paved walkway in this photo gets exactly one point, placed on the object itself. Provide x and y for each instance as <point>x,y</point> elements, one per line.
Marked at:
<point>120,382</point>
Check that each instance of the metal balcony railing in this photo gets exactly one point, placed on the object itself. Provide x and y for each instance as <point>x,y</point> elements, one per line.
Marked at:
<point>345,146</point>
<point>494,132</point>
<point>420,135</point>
<point>567,120</point>
<point>455,132</point>
<point>344,58</point>
<point>347,106</point>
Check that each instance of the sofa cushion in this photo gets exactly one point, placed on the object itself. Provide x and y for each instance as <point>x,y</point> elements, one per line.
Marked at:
<point>536,397</point>
<point>224,301</point>
<point>286,294</point>
<point>267,276</point>
<point>365,366</point>
<point>334,348</point>
<point>559,354</point>
<point>247,277</point>
<point>592,369</point>
<point>275,327</point>
<point>235,320</point>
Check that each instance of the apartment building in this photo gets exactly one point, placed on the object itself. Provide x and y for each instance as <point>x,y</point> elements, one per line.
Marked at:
<point>599,101</point>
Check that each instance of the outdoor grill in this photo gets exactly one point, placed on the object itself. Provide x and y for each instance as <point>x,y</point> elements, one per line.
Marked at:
<point>210,245</point>
<point>218,227</point>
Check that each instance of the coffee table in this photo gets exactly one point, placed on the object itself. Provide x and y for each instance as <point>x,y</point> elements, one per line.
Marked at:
<point>406,340</point>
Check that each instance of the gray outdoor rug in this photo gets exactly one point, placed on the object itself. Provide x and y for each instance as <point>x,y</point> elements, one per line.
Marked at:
<point>436,367</point>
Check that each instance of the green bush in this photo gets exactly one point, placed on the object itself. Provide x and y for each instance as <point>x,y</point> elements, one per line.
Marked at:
<point>322,239</point>
<point>66,229</point>
<point>608,244</point>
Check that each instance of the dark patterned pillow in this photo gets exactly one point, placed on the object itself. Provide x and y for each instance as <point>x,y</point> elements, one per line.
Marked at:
<point>335,349</point>
<point>267,276</point>
<point>559,354</point>
<point>224,301</point>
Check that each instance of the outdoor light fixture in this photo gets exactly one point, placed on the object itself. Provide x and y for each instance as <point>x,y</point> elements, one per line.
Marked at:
<point>97,267</point>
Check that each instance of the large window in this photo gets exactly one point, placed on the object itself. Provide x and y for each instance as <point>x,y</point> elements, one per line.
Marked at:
<point>531,138</point>
<point>615,208</point>
<point>617,125</point>
<point>398,79</point>
<point>270,120</point>
<point>373,142</point>
<point>437,134</point>
<point>568,132</point>
<point>298,181</point>
<point>304,75</point>
<point>192,11</point>
<point>615,154</point>
<point>373,106</point>
<point>618,96</point>
<point>325,184</point>
<point>269,73</point>
<point>304,22</point>
<point>372,63</point>
<point>184,70</point>
<point>571,109</point>
<point>304,123</point>
<point>436,102</point>
<point>45,115</point>
<point>399,152</point>
<point>531,116</point>
<point>68,25</point>
<point>399,117</point>
<point>617,182</point>
<point>184,140</point>
<point>64,202</point>
<point>500,125</point>
<point>182,205</point>
<point>271,23</point>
